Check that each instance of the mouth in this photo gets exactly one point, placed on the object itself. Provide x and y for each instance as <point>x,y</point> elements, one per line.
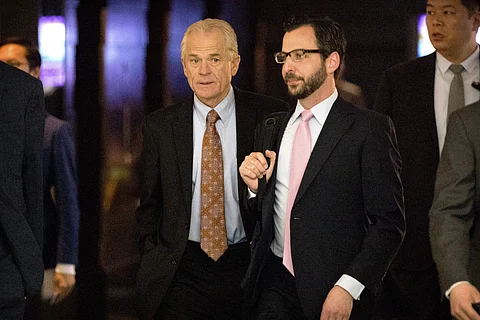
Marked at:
<point>291,79</point>
<point>437,36</point>
<point>205,83</point>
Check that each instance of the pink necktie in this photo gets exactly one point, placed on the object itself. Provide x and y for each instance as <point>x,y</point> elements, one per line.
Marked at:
<point>301,150</point>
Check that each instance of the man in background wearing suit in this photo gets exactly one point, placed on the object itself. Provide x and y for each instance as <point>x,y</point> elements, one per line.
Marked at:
<point>455,213</point>
<point>21,215</point>
<point>60,202</point>
<point>321,252</point>
<point>416,96</point>
<point>193,235</point>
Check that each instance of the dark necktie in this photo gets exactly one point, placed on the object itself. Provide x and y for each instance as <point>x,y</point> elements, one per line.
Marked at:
<point>213,234</point>
<point>456,96</point>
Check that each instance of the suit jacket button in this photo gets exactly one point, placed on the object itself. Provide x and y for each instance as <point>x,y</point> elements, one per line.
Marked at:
<point>173,261</point>
<point>187,226</point>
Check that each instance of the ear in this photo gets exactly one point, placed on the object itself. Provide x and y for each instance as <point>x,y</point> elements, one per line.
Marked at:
<point>235,64</point>
<point>476,21</point>
<point>332,63</point>
<point>184,68</point>
<point>35,72</point>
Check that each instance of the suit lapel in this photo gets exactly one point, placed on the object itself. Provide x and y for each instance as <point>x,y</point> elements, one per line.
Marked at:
<point>183,140</point>
<point>246,115</point>
<point>338,121</point>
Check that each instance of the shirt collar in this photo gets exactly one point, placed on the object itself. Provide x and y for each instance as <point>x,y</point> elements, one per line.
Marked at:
<point>225,108</point>
<point>320,111</point>
<point>469,64</point>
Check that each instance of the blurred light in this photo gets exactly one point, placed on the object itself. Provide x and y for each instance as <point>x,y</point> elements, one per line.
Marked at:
<point>51,40</point>
<point>424,46</point>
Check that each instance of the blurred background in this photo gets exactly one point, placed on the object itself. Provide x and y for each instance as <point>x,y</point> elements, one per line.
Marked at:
<point>108,63</point>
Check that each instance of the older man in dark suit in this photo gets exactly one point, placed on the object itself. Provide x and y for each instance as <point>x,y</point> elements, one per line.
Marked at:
<point>21,215</point>
<point>417,96</point>
<point>331,219</point>
<point>192,232</point>
<point>455,214</point>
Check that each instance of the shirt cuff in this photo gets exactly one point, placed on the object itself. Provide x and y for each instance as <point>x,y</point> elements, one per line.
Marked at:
<point>65,268</point>
<point>251,194</point>
<point>447,293</point>
<point>352,285</point>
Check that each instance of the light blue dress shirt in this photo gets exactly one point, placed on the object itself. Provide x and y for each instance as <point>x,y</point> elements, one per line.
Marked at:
<point>227,130</point>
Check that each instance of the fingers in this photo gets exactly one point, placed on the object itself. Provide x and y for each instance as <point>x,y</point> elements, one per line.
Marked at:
<point>64,284</point>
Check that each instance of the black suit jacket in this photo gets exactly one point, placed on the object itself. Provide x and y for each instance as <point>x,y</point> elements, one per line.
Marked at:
<point>21,214</point>
<point>347,217</point>
<point>163,217</point>
<point>406,94</point>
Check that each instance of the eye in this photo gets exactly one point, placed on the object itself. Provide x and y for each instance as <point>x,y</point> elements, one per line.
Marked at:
<point>429,12</point>
<point>448,12</point>
<point>298,55</point>
<point>194,61</point>
<point>215,60</point>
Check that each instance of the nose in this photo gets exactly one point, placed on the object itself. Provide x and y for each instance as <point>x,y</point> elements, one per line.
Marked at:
<point>204,68</point>
<point>288,65</point>
<point>435,20</point>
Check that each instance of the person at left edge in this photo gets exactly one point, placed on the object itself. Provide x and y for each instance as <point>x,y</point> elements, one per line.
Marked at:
<point>21,201</point>
<point>176,278</point>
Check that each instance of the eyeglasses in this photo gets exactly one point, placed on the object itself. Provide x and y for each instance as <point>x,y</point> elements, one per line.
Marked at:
<point>296,55</point>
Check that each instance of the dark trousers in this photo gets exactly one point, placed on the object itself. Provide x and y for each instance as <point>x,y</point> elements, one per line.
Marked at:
<point>206,289</point>
<point>411,295</point>
<point>278,298</point>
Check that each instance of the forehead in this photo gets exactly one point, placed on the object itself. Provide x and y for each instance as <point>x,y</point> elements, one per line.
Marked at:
<point>12,51</point>
<point>445,3</point>
<point>210,41</point>
<point>300,38</point>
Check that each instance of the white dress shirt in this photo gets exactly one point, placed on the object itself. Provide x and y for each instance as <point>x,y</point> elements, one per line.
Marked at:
<point>320,113</point>
<point>227,130</point>
<point>443,79</point>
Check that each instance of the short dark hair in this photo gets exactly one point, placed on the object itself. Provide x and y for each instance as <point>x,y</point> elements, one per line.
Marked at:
<point>31,52</point>
<point>329,33</point>
<point>471,5</point>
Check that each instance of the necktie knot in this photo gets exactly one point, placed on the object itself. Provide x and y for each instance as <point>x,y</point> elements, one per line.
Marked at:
<point>306,115</point>
<point>456,68</point>
<point>212,117</point>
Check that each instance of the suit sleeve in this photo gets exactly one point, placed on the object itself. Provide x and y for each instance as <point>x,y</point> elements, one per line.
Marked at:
<point>383,99</point>
<point>383,201</point>
<point>66,195</point>
<point>150,209</point>
<point>32,162</point>
<point>452,213</point>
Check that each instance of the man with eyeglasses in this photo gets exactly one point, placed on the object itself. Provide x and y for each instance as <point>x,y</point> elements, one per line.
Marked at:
<point>331,216</point>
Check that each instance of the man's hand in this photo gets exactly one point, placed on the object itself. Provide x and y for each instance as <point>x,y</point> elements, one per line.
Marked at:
<point>64,284</point>
<point>338,305</point>
<point>255,166</point>
<point>461,299</point>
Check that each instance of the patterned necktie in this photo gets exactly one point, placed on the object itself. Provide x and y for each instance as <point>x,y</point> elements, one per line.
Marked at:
<point>213,234</point>
<point>456,96</point>
<point>302,146</point>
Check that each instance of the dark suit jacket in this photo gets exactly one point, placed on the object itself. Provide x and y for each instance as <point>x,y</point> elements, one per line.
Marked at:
<point>163,217</point>
<point>347,217</point>
<point>61,211</point>
<point>406,95</point>
<point>21,215</point>
<point>455,213</point>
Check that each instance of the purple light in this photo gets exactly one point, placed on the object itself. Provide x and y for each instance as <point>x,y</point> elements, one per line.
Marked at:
<point>51,38</point>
